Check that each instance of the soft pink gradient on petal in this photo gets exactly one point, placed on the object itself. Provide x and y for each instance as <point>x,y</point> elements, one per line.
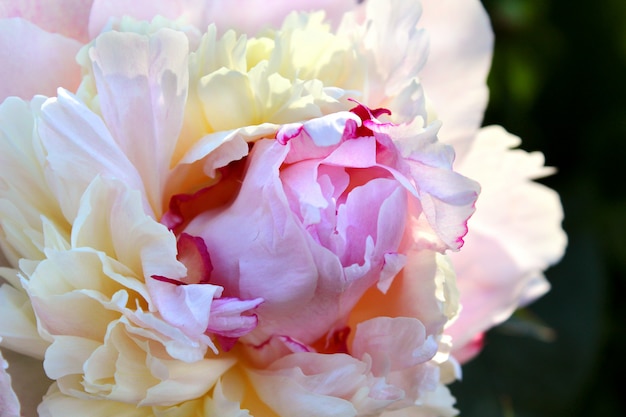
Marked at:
<point>455,74</point>
<point>185,306</point>
<point>247,16</point>
<point>35,61</point>
<point>251,16</point>
<point>65,17</point>
<point>515,235</point>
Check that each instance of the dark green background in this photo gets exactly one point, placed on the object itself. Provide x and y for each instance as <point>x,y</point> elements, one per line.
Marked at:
<point>559,81</point>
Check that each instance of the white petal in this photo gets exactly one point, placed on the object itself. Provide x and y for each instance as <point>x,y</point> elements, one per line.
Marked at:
<point>79,148</point>
<point>515,234</point>
<point>459,58</point>
<point>142,98</point>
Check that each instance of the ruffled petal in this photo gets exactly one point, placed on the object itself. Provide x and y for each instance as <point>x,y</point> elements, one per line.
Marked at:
<point>35,61</point>
<point>317,385</point>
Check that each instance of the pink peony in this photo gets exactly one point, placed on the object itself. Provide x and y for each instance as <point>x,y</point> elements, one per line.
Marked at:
<point>320,218</point>
<point>203,223</point>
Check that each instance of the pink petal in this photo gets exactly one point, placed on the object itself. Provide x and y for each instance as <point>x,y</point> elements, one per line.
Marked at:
<point>35,61</point>
<point>260,249</point>
<point>227,317</point>
<point>65,17</point>
<point>250,16</point>
<point>459,58</point>
<point>187,307</point>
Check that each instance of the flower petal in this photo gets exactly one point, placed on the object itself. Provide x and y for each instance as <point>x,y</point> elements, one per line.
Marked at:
<point>79,148</point>
<point>459,58</point>
<point>104,10</point>
<point>143,99</point>
<point>515,234</point>
<point>316,385</point>
<point>65,17</point>
<point>250,16</point>
<point>35,61</point>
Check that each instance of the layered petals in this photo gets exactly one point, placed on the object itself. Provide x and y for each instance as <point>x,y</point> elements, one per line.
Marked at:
<point>203,219</point>
<point>334,215</point>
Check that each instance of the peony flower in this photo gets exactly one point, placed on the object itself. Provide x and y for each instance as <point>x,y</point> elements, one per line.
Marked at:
<point>221,213</point>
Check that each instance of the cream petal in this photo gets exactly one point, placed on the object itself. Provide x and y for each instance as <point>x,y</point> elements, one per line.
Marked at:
<point>20,333</point>
<point>57,404</point>
<point>24,194</point>
<point>221,405</point>
<point>143,99</point>
<point>425,290</point>
<point>35,61</point>
<point>79,147</point>
<point>111,219</point>
<point>312,384</point>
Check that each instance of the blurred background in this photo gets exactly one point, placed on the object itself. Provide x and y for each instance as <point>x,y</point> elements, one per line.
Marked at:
<point>559,81</point>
